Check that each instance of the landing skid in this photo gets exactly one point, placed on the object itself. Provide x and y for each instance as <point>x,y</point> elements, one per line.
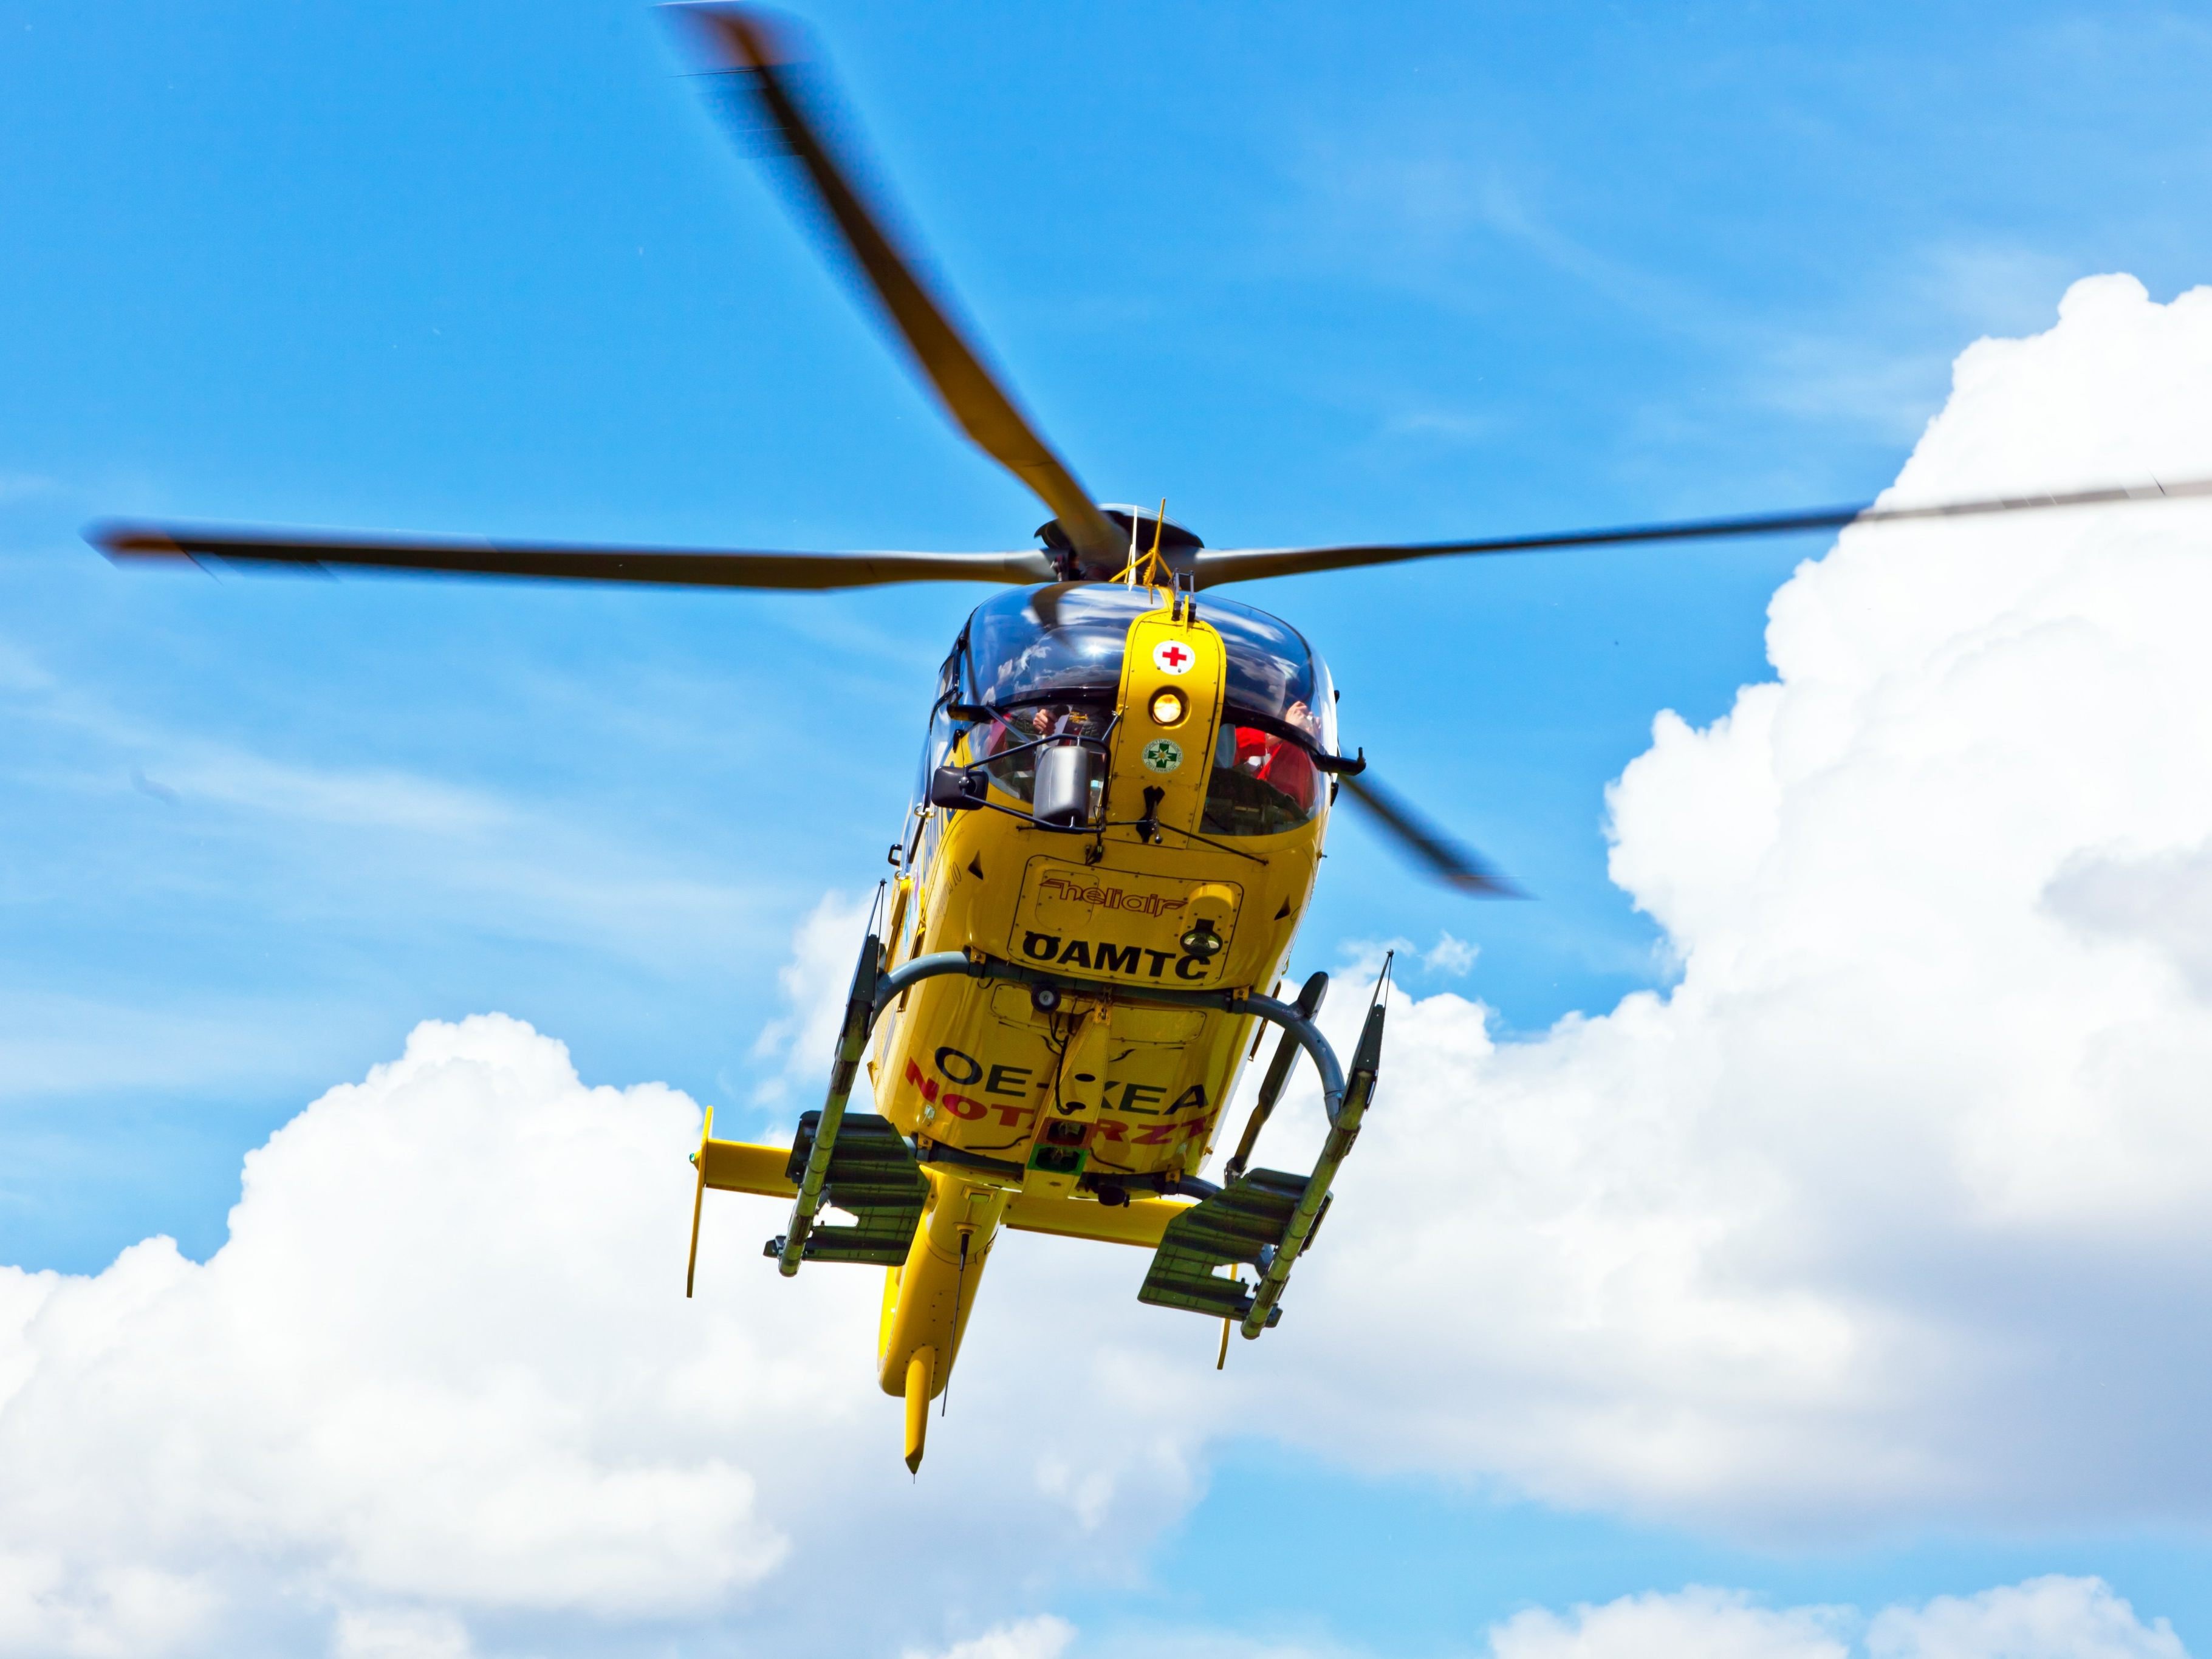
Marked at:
<point>1264,1218</point>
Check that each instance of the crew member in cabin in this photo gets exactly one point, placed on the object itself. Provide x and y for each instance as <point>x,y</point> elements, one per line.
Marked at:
<point>1284,766</point>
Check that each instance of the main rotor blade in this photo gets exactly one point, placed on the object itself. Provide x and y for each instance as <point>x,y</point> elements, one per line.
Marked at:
<point>1429,845</point>
<point>1247,564</point>
<point>271,550</point>
<point>762,58</point>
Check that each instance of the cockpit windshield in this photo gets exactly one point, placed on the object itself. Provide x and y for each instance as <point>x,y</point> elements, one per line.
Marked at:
<point>1063,644</point>
<point>1034,645</point>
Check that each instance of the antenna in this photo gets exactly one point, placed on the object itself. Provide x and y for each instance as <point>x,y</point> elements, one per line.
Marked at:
<point>1151,569</point>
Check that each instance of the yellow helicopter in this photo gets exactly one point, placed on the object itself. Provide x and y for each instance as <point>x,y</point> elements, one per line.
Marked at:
<point>1126,786</point>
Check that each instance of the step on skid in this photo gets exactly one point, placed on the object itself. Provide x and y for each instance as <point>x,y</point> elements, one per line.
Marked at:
<point>1243,1224</point>
<point>871,1176</point>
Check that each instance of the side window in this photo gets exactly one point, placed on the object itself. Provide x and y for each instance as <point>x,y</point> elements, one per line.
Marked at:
<point>1261,785</point>
<point>936,749</point>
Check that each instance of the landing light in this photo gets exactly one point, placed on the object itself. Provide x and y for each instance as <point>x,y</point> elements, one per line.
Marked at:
<point>1167,707</point>
<point>1201,941</point>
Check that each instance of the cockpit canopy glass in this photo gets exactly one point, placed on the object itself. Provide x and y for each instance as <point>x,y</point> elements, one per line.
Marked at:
<point>1063,644</point>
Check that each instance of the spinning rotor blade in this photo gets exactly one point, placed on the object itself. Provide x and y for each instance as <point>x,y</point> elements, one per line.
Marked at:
<point>272,549</point>
<point>1247,564</point>
<point>1448,859</point>
<point>761,57</point>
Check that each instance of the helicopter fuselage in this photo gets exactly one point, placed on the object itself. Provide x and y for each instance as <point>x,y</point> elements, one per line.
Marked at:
<point>1124,797</point>
<point>1094,1095</point>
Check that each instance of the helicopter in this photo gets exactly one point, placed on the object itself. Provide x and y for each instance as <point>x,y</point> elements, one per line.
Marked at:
<point>1125,790</point>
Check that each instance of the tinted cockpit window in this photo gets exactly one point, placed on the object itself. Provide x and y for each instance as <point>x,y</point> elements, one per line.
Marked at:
<point>1035,645</point>
<point>1261,784</point>
<point>1273,671</point>
<point>1038,645</point>
<point>1049,660</point>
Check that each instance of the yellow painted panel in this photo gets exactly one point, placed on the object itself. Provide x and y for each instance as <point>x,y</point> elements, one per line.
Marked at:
<point>1169,649</point>
<point>1141,1221</point>
<point>737,1166</point>
<point>1124,925</point>
<point>935,1292</point>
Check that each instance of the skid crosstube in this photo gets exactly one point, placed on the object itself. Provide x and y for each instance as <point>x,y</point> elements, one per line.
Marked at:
<point>872,1177</point>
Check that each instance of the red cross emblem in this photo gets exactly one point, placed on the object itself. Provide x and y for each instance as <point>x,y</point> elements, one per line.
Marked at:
<point>1172,657</point>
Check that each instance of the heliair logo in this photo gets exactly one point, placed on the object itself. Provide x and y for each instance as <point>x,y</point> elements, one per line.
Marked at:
<point>1163,754</point>
<point>1078,891</point>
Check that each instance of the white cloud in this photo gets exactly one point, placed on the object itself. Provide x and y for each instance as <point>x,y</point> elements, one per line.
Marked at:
<point>1449,955</point>
<point>399,1634</point>
<point>381,1372</point>
<point>1041,1637</point>
<point>1696,1623</point>
<point>1363,958</point>
<point>2050,1618</point>
<point>440,1393</point>
<point>799,1043</point>
<point>1146,1641</point>
<point>2043,1619</point>
<point>1911,1168</point>
<point>2161,899</point>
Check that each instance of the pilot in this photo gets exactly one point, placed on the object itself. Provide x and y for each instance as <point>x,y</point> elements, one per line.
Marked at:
<point>1284,766</point>
<point>1041,721</point>
<point>1062,718</point>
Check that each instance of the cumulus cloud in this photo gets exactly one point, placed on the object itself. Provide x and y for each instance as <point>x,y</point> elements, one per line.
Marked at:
<point>440,1394</point>
<point>1895,1203</point>
<point>1449,955</point>
<point>1146,1641</point>
<point>2043,1619</point>
<point>392,1634</point>
<point>797,1044</point>
<point>1041,1637</point>
<point>1697,1624</point>
<point>2050,1618</point>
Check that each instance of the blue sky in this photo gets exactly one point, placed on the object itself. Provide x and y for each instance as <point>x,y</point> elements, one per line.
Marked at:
<point>1312,273</point>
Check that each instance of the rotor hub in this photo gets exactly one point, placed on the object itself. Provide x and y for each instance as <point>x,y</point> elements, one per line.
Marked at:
<point>1178,546</point>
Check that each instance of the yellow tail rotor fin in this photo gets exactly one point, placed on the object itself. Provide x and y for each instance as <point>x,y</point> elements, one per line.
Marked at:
<point>698,1200</point>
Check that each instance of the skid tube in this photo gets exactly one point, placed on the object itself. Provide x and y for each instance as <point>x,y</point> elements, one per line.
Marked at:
<point>1345,1099</point>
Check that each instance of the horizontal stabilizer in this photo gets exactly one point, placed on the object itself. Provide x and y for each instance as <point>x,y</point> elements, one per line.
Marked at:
<point>738,1166</point>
